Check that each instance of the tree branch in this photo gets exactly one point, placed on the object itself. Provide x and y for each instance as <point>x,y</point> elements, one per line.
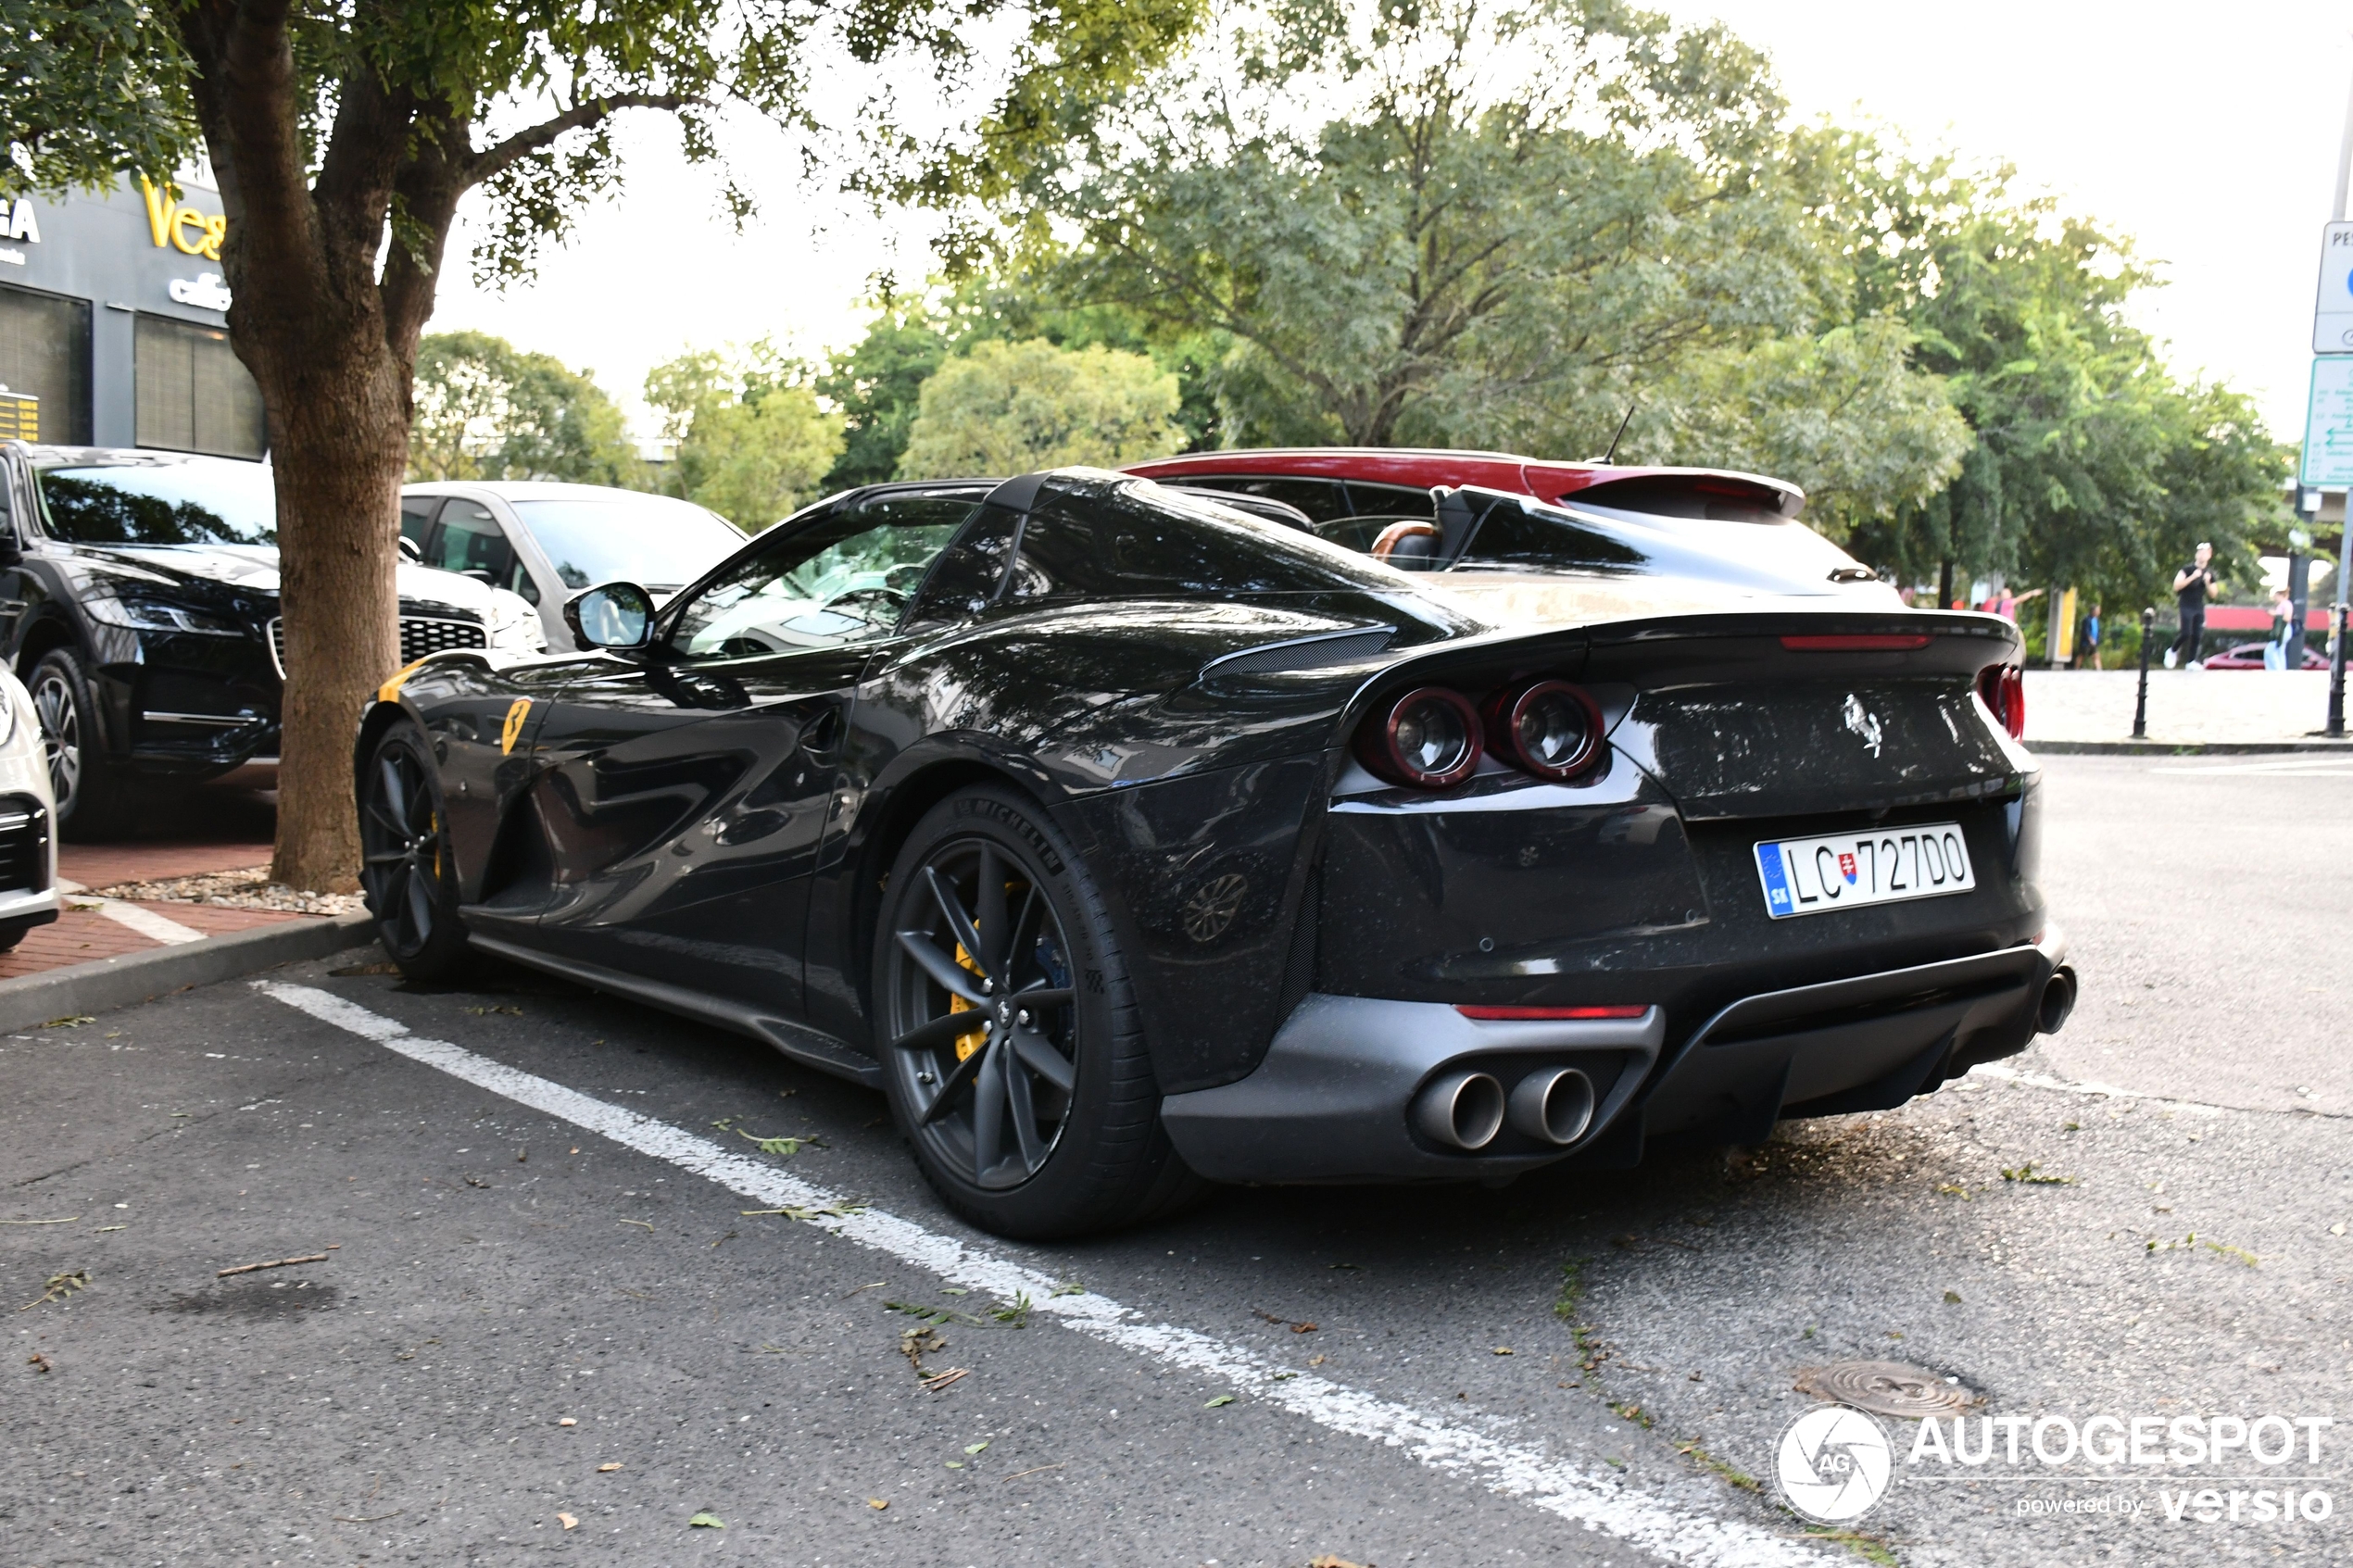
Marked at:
<point>490,161</point>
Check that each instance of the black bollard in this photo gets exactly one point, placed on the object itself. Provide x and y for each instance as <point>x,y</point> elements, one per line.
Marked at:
<point>2336,668</point>
<point>2140,710</point>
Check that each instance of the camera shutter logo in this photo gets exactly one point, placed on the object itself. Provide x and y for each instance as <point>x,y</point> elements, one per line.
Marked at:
<point>1834,1463</point>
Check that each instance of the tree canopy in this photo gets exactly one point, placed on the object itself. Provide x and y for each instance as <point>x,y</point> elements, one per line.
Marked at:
<point>2092,464</point>
<point>1011,407</point>
<point>486,409</point>
<point>751,441</point>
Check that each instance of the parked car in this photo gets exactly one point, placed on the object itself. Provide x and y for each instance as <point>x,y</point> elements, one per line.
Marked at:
<point>1384,502</point>
<point>139,601</point>
<point>547,541</point>
<point>28,819</point>
<point>1125,840</point>
<point>2249,656</point>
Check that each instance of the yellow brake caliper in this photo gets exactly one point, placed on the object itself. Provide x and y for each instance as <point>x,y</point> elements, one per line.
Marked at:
<point>967,1043</point>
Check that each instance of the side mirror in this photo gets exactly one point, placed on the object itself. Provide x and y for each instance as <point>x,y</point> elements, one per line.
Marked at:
<point>411,552</point>
<point>612,615</point>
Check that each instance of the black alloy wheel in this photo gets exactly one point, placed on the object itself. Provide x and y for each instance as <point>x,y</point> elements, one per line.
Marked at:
<point>1011,1050</point>
<point>405,864</point>
<point>92,799</point>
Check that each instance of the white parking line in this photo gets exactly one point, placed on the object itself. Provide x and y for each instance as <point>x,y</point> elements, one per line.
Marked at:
<point>1598,1502</point>
<point>150,924</point>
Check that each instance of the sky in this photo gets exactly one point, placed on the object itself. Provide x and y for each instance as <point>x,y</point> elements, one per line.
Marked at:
<point>2208,134</point>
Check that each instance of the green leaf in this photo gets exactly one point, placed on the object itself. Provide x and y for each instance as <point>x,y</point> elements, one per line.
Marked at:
<point>1221,1399</point>
<point>706,1522</point>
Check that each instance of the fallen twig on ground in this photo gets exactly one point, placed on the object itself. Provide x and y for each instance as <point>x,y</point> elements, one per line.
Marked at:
<point>274,1263</point>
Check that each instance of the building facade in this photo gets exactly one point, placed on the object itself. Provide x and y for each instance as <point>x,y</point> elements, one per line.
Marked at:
<point>111,324</point>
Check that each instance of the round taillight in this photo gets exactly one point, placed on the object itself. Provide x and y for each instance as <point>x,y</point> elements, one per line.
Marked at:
<point>1549,728</point>
<point>1428,738</point>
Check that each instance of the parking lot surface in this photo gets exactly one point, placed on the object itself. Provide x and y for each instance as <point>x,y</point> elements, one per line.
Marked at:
<point>587,1273</point>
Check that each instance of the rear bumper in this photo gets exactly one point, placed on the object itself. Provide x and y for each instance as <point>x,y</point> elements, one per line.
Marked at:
<point>1329,1102</point>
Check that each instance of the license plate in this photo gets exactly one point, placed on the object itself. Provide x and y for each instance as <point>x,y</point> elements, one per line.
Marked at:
<point>1812,876</point>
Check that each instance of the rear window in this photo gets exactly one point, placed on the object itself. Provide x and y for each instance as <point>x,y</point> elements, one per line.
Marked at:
<point>1133,539</point>
<point>187,503</point>
<point>1516,536</point>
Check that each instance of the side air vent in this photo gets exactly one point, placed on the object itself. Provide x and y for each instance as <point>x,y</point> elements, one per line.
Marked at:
<point>1302,653</point>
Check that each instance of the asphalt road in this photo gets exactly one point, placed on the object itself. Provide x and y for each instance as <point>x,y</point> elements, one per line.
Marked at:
<point>542,1298</point>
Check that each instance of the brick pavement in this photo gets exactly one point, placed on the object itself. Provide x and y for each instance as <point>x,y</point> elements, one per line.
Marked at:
<point>211,830</point>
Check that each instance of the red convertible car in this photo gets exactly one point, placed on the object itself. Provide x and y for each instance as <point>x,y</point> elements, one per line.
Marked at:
<point>1379,500</point>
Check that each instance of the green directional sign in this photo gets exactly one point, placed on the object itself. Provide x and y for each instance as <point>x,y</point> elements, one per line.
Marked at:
<point>2328,426</point>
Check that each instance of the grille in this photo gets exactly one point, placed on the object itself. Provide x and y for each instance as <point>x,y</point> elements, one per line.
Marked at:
<point>418,636</point>
<point>24,844</point>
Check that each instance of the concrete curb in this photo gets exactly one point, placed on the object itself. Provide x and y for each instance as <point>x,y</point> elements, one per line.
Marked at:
<point>31,1000</point>
<point>2181,748</point>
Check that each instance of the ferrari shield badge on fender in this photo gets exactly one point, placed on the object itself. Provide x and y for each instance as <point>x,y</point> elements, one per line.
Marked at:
<point>517,712</point>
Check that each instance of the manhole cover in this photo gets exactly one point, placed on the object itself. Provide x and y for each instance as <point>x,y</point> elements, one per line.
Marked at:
<point>1886,1388</point>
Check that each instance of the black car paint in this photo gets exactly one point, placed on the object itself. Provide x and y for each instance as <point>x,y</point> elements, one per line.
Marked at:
<point>226,682</point>
<point>713,832</point>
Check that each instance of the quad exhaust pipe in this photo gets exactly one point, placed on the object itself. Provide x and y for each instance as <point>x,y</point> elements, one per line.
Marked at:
<point>1462,1111</point>
<point>1465,1111</point>
<point>2058,1000</point>
<point>1553,1104</point>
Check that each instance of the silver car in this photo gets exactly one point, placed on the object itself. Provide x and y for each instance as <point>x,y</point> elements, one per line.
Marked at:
<point>547,541</point>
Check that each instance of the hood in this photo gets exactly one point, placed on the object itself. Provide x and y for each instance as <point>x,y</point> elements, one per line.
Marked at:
<point>250,572</point>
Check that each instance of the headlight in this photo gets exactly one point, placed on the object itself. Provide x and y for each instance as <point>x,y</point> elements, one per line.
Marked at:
<point>153,615</point>
<point>512,625</point>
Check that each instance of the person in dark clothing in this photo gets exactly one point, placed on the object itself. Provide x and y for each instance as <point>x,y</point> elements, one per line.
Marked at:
<point>2191,585</point>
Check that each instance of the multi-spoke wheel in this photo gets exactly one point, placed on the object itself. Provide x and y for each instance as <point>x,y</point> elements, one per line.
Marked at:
<point>92,798</point>
<point>1010,1046</point>
<point>404,866</point>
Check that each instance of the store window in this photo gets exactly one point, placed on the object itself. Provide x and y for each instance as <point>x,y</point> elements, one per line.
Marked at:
<point>194,394</point>
<point>45,355</point>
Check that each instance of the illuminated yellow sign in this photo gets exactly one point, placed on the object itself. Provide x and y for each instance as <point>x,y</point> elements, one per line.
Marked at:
<point>172,222</point>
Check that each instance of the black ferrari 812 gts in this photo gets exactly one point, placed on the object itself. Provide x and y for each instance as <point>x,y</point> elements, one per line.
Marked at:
<point>1128,841</point>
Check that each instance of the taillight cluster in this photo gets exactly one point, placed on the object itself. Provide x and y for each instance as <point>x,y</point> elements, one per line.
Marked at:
<point>2004,688</point>
<point>1432,737</point>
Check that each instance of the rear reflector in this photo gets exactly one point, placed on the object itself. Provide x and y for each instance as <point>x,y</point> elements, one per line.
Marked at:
<point>1498,1015</point>
<point>1869,642</point>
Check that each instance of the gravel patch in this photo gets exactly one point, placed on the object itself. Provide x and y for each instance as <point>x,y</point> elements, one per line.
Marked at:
<point>248,889</point>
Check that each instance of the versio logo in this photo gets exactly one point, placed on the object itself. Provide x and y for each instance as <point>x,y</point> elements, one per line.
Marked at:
<point>1834,1463</point>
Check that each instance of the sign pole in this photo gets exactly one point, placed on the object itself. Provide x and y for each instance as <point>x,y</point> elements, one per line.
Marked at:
<point>2338,611</point>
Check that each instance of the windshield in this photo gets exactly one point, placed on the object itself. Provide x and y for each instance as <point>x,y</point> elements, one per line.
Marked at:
<point>191,503</point>
<point>845,578</point>
<point>652,540</point>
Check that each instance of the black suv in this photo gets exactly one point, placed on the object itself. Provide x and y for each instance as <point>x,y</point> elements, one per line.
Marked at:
<point>139,603</point>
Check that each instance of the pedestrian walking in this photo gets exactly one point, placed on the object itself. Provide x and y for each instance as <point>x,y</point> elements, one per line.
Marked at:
<point>2088,654</point>
<point>2191,585</point>
<point>2283,628</point>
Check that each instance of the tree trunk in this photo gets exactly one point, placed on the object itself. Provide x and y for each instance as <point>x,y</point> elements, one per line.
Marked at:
<point>339,439</point>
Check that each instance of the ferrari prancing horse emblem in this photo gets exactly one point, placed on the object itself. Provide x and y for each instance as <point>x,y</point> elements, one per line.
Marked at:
<point>517,712</point>
<point>1863,721</point>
